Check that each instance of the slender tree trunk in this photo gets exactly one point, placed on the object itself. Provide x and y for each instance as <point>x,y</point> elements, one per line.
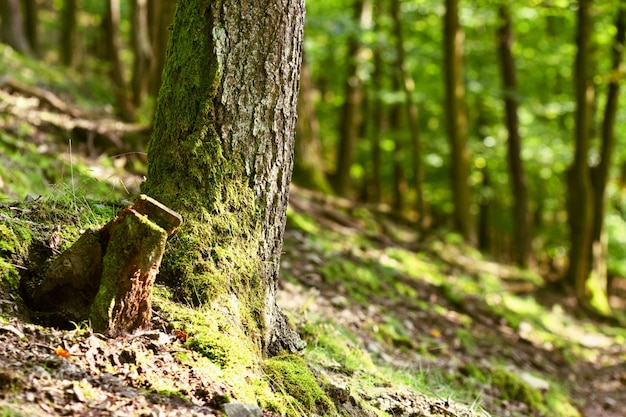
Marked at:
<point>600,173</point>
<point>69,35</point>
<point>12,26</point>
<point>308,169</point>
<point>580,206</point>
<point>485,212</point>
<point>521,212</point>
<point>161,15</point>
<point>395,128</point>
<point>377,111</point>
<point>351,112</point>
<point>142,50</point>
<point>221,155</point>
<point>31,24</point>
<point>125,106</point>
<point>408,88</point>
<point>457,121</point>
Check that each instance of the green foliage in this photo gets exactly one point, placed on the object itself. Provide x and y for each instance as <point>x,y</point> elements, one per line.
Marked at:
<point>616,232</point>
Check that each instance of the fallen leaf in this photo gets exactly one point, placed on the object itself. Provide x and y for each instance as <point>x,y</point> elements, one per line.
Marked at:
<point>182,336</point>
<point>62,352</point>
<point>435,333</point>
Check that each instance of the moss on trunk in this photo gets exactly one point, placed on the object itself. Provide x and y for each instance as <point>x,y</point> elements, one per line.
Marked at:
<point>221,153</point>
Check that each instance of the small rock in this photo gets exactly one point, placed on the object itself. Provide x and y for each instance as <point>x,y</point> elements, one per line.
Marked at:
<point>609,403</point>
<point>535,382</point>
<point>241,410</point>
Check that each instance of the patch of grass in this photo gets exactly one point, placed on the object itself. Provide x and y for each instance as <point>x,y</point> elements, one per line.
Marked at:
<point>336,347</point>
<point>291,377</point>
<point>301,221</point>
<point>512,387</point>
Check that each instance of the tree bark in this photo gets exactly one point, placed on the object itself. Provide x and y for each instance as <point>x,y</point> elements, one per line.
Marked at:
<point>221,155</point>
<point>12,26</point>
<point>351,112</point>
<point>457,121</point>
<point>580,204</point>
<point>521,213</point>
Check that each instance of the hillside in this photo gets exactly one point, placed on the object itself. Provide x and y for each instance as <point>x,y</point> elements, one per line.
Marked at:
<point>396,324</point>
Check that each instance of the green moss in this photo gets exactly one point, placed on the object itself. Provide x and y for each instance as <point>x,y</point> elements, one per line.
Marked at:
<point>15,237</point>
<point>472,371</point>
<point>512,387</point>
<point>290,376</point>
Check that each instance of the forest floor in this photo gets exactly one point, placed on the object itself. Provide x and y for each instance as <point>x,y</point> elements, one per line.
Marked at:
<point>396,323</point>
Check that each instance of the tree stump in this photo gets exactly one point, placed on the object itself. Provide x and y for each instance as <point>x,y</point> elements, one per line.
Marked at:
<point>108,274</point>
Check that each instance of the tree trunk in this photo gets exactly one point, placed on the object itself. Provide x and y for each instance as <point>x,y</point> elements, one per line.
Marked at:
<point>375,188</point>
<point>600,173</point>
<point>580,205</point>
<point>395,127</point>
<point>12,26</point>
<point>142,49</point>
<point>308,168</point>
<point>221,155</point>
<point>457,121</point>
<point>351,112</point>
<point>69,35</point>
<point>125,106</point>
<point>521,213</point>
<point>31,24</point>
<point>161,15</point>
<point>408,88</point>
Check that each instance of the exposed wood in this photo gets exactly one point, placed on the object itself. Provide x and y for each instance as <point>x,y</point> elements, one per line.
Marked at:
<point>107,274</point>
<point>129,267</point>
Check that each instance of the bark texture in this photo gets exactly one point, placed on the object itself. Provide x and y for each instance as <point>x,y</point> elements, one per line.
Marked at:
<point>221,155</point>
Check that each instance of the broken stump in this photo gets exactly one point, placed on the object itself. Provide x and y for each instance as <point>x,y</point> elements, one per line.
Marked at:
<point>108,274</point>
